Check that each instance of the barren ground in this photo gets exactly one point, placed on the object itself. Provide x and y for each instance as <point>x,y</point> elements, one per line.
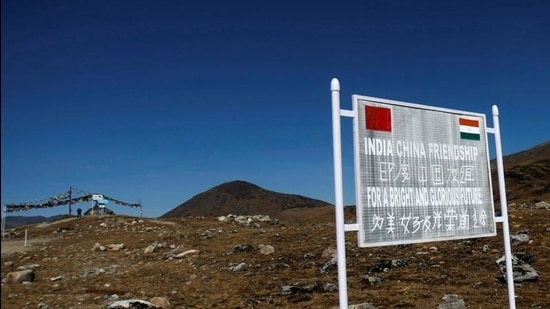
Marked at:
<point>70,275</point>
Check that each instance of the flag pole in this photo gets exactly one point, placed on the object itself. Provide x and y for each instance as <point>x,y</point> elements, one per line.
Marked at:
<point>3,222</point>
<point>70,200</point>
<point>338,194</point>
<point>504,211</point>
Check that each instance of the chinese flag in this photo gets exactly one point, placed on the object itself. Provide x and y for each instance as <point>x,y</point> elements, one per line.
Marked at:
<point>378,118</point>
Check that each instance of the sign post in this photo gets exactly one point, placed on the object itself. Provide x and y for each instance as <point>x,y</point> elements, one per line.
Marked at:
<point>339,194</point>
<point>422,174</point>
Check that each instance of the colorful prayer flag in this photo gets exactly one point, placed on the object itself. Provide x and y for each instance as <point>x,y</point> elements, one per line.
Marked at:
<point>469,129</point>
<point>378,118</point>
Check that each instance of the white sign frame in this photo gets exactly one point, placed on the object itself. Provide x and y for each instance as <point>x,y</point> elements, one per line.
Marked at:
<point>422,173</point>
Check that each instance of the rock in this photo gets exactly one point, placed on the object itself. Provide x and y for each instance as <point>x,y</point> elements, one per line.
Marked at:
<point>192,252</point>
<point>329,253</point>
<point>242,248</point>
<point>9,263</point>
<point>224,219</point>
<point>240,267</point>
<point>28,266</point>
<point>288,290</point>
<point>330,287</point>
<point>329,265</point>
<point>520,238</point>
<point>115,247</point>
<point>372,280</point>
<point>522,271</point>
<point>26,275</point>
<point>161,302</point>
<point>385,266</point>
<point>98,247</point>
<point>267,249</point>
<point>294,289</point>
<point>151,248</point>
<point>452,301</point>
<point>131,304</point>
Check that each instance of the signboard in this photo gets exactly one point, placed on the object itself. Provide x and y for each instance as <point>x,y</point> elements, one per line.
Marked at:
<point>422,173</point>
<point>96,197</point>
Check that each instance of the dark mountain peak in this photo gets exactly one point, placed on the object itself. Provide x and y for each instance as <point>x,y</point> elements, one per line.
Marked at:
<point>239,197</point>
<point>238,189</point>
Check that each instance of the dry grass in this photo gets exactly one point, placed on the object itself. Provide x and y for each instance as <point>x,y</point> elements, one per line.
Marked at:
<point>90,279</point>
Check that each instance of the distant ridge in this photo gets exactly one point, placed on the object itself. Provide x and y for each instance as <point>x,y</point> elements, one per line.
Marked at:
<point>527,175</point>
<point>14,221</point>
<point>241,198</point>
<point>537,153</point>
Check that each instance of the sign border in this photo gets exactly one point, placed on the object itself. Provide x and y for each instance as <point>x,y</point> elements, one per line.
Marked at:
<point>356,144</point>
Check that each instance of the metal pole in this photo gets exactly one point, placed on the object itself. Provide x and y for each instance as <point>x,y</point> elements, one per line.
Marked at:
<point>504,210</point>
<point>70,199</point>
<point>4,222</point>
<point>338,194</point>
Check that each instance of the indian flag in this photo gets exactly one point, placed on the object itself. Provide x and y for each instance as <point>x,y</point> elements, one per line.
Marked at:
<point>469,129</point>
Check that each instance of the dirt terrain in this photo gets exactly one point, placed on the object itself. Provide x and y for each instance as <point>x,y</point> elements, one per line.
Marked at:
<point>201,262</point>
<point>10,246</point>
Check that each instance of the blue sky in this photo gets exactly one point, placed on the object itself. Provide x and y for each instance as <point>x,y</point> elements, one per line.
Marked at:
<point>157,101</point>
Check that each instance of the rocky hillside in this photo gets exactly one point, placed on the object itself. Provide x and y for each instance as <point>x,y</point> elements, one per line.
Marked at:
<point>241,198</point>
<point>527,175</point>
<point>259,262</point>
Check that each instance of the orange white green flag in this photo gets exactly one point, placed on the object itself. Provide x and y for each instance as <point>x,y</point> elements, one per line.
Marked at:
<point>469,128</point>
